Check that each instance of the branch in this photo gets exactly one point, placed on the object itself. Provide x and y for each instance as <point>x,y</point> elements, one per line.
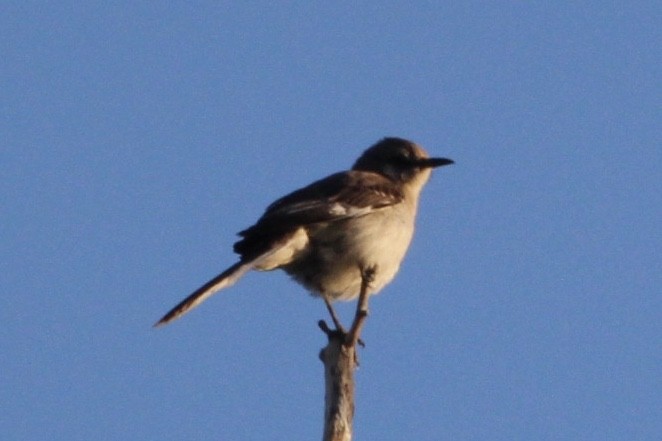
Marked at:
<point>339,364</point>
<point>340,360</point>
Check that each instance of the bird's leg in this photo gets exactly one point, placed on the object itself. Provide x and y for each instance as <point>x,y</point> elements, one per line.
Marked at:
<point>334,316</point>
<point>353,336</point>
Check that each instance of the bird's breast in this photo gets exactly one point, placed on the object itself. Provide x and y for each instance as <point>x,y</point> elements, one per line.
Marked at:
<point>331,263</point>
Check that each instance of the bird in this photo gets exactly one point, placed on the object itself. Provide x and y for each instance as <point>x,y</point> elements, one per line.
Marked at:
<point>348,231</point>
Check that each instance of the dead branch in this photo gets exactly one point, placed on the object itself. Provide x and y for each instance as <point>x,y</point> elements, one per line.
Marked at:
<point>340,361</point>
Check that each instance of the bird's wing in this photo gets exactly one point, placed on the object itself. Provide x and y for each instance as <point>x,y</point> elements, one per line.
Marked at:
<point>337,197</point>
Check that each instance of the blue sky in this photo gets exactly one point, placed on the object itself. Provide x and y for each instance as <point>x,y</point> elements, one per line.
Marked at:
<point>136,139</point>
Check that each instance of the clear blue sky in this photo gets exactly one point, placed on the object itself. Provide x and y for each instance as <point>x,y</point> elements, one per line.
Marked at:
<point>136,139</point>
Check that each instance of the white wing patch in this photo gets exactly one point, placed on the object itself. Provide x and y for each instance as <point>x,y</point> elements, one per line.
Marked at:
<point>338,209</point>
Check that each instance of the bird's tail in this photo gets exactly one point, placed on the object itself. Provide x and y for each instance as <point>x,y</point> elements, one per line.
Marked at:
<point>223,280</point>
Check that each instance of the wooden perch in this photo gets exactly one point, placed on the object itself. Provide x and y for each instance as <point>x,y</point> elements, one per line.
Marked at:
<point>340,360</point>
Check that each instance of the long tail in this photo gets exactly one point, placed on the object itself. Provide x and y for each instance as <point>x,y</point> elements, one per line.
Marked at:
<point>223,280</point>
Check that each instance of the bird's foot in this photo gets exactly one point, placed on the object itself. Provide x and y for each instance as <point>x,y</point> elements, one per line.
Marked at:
<point>339,332</point>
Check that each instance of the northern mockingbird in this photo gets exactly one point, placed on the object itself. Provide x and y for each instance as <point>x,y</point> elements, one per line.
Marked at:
<point>330,234</point>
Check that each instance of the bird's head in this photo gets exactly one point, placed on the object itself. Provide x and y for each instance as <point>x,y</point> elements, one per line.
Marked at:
<point>401,161</point>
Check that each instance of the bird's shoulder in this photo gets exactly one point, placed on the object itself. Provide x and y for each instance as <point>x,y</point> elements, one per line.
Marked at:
<point>353,188</point>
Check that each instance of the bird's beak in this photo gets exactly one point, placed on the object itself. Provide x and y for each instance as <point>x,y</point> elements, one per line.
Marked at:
<point>435,162</point>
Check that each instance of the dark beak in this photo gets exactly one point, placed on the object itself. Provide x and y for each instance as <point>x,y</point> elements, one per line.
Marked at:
<point>435,162</point>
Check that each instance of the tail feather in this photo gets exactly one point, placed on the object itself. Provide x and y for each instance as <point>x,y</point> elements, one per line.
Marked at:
<point>223,280</point>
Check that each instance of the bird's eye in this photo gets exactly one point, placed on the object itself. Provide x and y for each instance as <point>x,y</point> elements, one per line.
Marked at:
<point>402,158</point>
